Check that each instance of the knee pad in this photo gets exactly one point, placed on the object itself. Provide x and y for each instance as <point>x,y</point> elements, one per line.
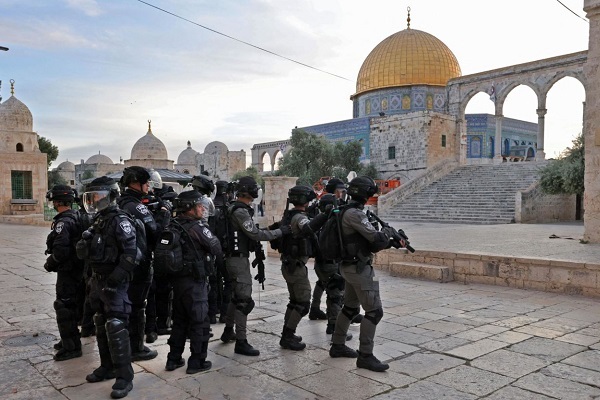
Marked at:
<point>302,308</point>
<point>337,300</point>
<point>59,304</point>
<point>115,325</point>
<point>245,306</point>
<point>99,320</point>
<point>320,284</point>
<point>374,316</point>
<point>336,282</point>
<point>350,313</point>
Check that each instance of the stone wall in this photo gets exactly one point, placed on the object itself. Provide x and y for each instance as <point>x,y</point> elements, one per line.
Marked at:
<point>523,273</point>
<point>275,196</point>
<point>533,206</point>
<point>34,162</point>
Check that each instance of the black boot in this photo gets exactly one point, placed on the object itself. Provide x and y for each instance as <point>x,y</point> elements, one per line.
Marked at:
<point>197,364</point>
<point>244,348</point>
<point>58,345</point>
<point>172,365</point>
<point>341,350</point>
<point>71,348</point>
<point>100,374</point>
<point>330,328</point>
<point>151,337</point>
<point>288,340</point>
<point>121,388</point>
<point>316,313</point>
<point>228,334</point>
<point>369,361</point>
<point>87,331</point>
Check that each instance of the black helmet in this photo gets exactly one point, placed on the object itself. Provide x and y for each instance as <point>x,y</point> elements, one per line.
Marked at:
<point>333,184</point>
<point>134,174</point>
<point>221,187</point>
<point>361,188</point>
<point>100,193</point>
<point>186,200</point>
<point>202,184</point>
<point>326,200</point>
<point>62,193</point>
<point>248,185</point>
<point>301,195</point>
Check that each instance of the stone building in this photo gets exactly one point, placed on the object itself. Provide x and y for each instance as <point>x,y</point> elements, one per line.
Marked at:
<point>217,160</point>
<point>149,152</point>
<point>96,165</point>
<point>23,168</point>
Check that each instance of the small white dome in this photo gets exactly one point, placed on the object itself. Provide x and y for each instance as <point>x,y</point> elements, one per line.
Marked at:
<point>66,166</point>
<point>149,147</point>
<point>188,156</point>
<point>99,159</point>
<point>15,116</point>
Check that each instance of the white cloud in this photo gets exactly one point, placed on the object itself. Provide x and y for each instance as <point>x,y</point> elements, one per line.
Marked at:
<point>88,7</point>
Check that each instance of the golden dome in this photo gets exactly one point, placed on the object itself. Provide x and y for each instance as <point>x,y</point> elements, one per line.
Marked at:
<point>406,58</point>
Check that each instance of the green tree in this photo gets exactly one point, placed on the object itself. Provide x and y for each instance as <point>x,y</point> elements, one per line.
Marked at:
<point>54,178</point>
<point>250,171</point>
<point>566,174</point>
<point>47,147</point>
<point>312,157</point>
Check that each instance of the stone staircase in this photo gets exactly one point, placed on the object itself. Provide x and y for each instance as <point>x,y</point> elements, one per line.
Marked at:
<point>472,194</point>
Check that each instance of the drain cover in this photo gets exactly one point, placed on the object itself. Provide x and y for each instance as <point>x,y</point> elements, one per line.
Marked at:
<point>28,340</point>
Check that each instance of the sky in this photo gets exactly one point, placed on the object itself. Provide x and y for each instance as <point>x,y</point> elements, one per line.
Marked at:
<point>93,72</point>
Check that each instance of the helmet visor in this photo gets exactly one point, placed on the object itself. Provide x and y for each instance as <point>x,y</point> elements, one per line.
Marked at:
<point>155,181</point>
<point>208,205</point>
<point>96,201</point>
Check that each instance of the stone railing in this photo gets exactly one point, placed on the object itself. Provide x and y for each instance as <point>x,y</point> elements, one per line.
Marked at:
<point>533,206</point>
<point>387,201</point>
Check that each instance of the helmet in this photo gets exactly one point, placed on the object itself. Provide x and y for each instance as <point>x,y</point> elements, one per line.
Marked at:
<point>248,185</point>
<point>61,193</point>
<point>135,174</point>
<point>362,187</point>
<point>155,180</point>
<point>301,195</point>
<point>187,200</point>
<point>326,200</point>
<point>202,184</point>
<point>333,184</point>
<point>99,194</point>
<point>221,187</point>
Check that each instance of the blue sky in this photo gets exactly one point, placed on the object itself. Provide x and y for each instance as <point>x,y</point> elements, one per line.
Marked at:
<point>94,71</point>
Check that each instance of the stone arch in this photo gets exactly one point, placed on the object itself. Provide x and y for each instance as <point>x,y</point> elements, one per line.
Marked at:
<point>272,148</point>
<point>19,147</point>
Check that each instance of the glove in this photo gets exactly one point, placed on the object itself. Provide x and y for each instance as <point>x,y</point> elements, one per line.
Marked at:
<point>285,230</point>
<point>273,226</point>
<point>50,264</point>
<point>389,231</point>
<point>118,276</point>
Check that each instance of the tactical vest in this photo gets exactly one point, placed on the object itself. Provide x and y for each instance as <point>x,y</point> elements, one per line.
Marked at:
<point>196,262</point>
<point>73,261</point>
<point>296,245</point>
<point>238,244</point>
<point>355,245</point>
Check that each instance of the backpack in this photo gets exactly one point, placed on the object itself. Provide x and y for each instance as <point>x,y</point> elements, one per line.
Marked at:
<point>331,244</point>
<point>170,256</point>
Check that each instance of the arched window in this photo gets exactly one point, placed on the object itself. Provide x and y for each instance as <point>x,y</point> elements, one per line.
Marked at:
<point>20,147</point>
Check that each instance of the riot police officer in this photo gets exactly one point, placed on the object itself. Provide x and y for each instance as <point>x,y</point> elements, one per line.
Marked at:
<point>360,241</point>
<point>110,247</point>
<point>296,249</point>
<point>190,287</point>
<point>62,259</point>
<point>243,237</point>
<point>218,225</point>
<point>136,181</point>
<point>335,187</point>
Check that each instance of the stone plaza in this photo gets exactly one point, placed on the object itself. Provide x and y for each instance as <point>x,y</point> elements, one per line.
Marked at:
<point>442,340</point>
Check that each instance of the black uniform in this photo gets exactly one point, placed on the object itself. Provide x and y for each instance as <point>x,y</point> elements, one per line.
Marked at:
<point>62,259</point>
<point>190,299</point>
<point>113,255</point>
<point>131,201</point>
<point>219,295</point>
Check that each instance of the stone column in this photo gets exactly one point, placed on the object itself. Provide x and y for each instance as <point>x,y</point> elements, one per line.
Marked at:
<point>539,154</point>
<point>591,128</point>
<point>461,132</point>
<point>498,140</point>
<point>275,196</point>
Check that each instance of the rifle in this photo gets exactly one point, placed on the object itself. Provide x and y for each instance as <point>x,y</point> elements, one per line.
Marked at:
<point>259,258</point>
<point>397,234</point>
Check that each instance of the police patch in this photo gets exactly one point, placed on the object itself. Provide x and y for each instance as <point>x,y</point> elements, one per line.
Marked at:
<point>126,226</point>
<point>366,223</point>
<point>207,233</point>
<point>59,227</point>
<point>142,209</point>
<point>248,225</point>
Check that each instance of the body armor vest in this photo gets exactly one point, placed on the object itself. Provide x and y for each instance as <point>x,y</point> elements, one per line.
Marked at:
<point>238,244</point>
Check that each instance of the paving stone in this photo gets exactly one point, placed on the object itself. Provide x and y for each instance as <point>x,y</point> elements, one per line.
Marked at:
<point>444,344</point>
<point>513,393</point>
<point>425,332</point>
<point>329,382</point>
<point>429,316</point>
<point>425,390</point>
<point>471,380</point>
<point>289,368</point>
<point>391,350</point>
<point>422,365</point>
<point>561,324</point>
<point>573,373</point>
<point>476,349</point>
<point>510,337</point>
<point>557,387</point>
<point>472,335</point>
<point>589,359</point>
<point>546,349</point>
<point>45,393</point>
<point>390,377</point>
<point>18,376</point>
<point>516,322</point>
<point>491,329</point>
<point>408,320</point>
<point>577,338</point>
<point>405,337</point>
<point>509,363</point>
<point>444,327</point>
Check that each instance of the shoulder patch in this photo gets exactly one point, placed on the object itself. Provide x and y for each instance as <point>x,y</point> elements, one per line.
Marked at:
<point>248,225</point>
<point>366,223</point>
<point>207,232</point>
<point>59,227</point>
<point>126,226</point>
<point>142,209</point>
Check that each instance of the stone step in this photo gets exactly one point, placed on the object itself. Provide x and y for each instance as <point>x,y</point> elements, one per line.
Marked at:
<point>421,271</point>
